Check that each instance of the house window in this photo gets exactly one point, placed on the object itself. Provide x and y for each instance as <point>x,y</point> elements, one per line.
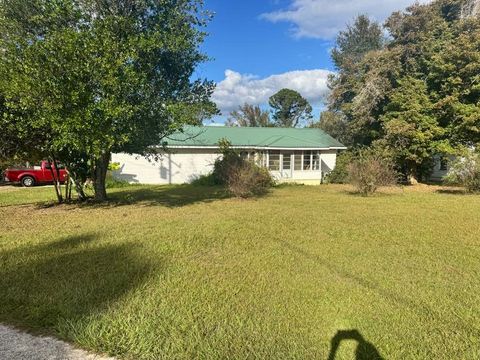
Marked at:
<point>443,164</point>
<point>274,160</point>
<point>297,161</point>
<point>261,159</point>
<point>286,161</point>
<point>307,160</point>
<point>247,155</point>
<point>316,161</point>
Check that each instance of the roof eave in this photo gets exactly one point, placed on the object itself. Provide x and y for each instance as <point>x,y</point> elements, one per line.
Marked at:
<point>256,147</point>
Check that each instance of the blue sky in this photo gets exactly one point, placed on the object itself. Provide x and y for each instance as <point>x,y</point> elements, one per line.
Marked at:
<point>260,46</point>
<point>242,41</point>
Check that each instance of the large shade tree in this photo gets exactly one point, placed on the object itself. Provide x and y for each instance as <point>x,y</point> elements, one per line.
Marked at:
<point>96,77</point>
<point>411,131</point>
<point>352,45</point>
<point>289,108</point>
<point>416,94</point>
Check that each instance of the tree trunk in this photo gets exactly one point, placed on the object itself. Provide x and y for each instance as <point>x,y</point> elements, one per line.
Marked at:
<point>70,180</point>
<point>67,187</point>
<point>100,173</point>
<point>412,175</point>
<point>79,189</point>
<point>78,184</point>
<point>56,181</point>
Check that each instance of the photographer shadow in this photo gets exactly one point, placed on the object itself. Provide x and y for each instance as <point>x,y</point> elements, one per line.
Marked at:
<point>364,351</point>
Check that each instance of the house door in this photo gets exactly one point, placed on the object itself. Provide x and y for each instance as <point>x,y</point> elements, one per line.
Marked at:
<point>286,171</point>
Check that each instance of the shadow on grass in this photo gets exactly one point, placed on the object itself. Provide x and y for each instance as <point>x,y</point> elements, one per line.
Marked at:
<point>171,196</point>
<point>56,285</point>
<point>453,192</point>
<point>364,351</point>
<point>376,194</point>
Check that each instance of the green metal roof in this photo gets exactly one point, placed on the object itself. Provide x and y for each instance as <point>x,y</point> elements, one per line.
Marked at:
<point>256,137</point>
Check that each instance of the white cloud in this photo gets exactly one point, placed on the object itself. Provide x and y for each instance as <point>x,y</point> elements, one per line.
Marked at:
<point>323,19</point>
<point>237,89</point>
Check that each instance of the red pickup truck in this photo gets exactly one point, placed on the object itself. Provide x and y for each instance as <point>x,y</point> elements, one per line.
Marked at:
<point>35,175</point>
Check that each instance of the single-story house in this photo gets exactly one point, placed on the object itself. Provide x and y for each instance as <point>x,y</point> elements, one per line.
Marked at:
<point>291,155</point>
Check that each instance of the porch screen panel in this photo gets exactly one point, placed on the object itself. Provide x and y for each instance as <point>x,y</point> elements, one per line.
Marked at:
<point>286,163</point>
<point>316,160</point>
<point>297,161</point>
<point>262,159</point>
<point>274,160</point>
<point>307,160</point>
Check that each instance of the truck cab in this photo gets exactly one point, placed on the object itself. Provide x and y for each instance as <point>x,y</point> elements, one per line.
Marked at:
<point>38,174</point>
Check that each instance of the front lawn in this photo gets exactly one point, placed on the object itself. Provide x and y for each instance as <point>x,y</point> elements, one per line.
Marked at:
<point>185,272</point>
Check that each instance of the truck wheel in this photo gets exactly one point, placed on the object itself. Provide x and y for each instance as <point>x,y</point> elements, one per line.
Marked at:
<point>28,181</point>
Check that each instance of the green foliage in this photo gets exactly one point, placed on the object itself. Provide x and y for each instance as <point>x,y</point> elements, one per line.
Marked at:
<point>410,130</point>
<point>289,108</point>
<point>111,182</point>
<point>247,180</point>
<point>417,94</point>
<point>97,77</point>
<point>334,124</point>
<point>454,77</point>
<point>350,99</point>
<point>242,178</point>
<point>205,180</point>
<point>222,166</point>
<point>249,116</point>
<point>352,44</point>
<point>465,171</point>
<point>369,170</point>
<point>339,175</point>
<point>114,166</point>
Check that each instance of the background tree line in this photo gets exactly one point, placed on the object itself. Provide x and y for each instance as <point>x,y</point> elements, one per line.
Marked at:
<point>414,93</point>
<point>288,109</point>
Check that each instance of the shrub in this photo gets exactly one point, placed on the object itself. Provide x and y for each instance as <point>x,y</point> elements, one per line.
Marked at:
<point>247,179</point>
<point>465,171</point>
<point>111,181</point>
<point>242,178</point>
<point>204,180</point>
<point>339,175</point>
<point>368,171</point>
<point>223,165</point>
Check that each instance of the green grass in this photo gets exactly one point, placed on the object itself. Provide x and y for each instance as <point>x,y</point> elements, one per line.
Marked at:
<point>16,195</point>
<point>184,272</point>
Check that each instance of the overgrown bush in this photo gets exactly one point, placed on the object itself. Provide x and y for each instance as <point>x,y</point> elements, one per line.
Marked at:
<point>369,170</point>
<point>465,171</point>
<point>223,165</point>
<point>246,179</point>
<point>242,178</point>
<point>339,175</point>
